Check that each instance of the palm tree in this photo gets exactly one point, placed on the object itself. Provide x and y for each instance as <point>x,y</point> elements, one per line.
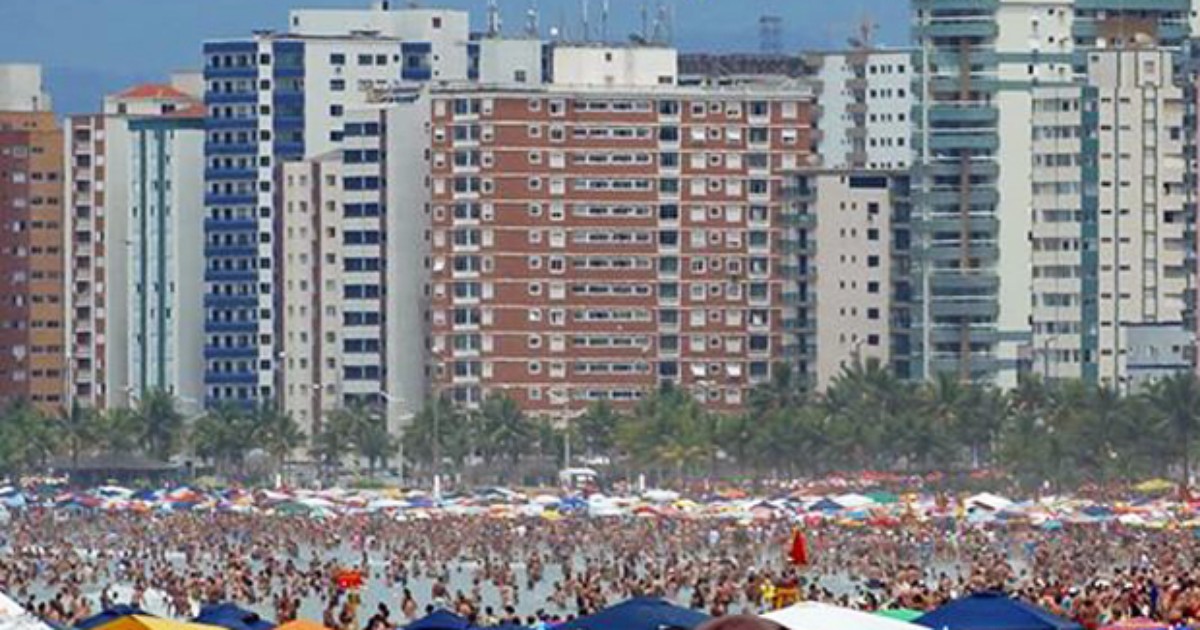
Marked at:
<point>223,436</point>
<point>785,390</point>
<point>333,438</point>
<point>77,427</point>
<point>1175,401</point>
<point>118,431</point>
<point>505,430</point>
<point>162,426</point>
<point>597,428</point>
<point>372,440</point>
<point>277,433</point>
<point>25,439</point>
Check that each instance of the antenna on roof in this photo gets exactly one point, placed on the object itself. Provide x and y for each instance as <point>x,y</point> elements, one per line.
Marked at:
<point>604,21</point>
<point>662,24</point>
<point>770,34</point>
<point>865,37</point>
<point>531,20</point>
<point>587,31</point>
<point>645,22</point>
<point>493,19</point>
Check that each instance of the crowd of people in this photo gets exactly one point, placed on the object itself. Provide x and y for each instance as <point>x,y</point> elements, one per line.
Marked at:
<point>66,566</point>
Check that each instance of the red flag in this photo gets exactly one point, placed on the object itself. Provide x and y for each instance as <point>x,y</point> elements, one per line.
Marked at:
<point>799,552</point>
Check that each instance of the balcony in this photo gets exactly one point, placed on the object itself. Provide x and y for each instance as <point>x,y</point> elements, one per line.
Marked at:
<point>230,225</point>
<point>231,301</point>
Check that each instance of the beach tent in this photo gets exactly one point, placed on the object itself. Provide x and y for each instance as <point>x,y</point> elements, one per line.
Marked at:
<point>106,616</point>
<point>233,617</point>
<point>991,610</point>
<point>146,622</point>
<point>439,620</point>
<point>639,613</point>
<point>14,617</point>
<point>818,616</point>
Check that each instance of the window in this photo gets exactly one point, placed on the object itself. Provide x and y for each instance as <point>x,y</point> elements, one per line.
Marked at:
<point>337,59</point>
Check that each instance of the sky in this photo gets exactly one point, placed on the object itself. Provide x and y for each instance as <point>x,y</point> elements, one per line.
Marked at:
<point>93,47</point>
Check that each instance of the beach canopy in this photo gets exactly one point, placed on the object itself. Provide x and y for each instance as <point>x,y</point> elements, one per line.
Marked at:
<point>108,615</point>
<point>146,622</point>
<point>14,617</point>
<point>639,613</point>
<point>818,616</point>
<point>440,620</point>
<point>991,610</point>
<point>233,617</point>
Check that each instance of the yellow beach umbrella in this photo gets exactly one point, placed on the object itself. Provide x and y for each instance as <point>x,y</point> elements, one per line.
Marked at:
<point>145,622</point>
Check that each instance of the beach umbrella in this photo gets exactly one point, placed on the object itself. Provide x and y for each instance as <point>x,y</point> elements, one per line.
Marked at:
<point>900,614</point>
<point>992,610</point>
<point>639,613</point>
<point>301,624</point>
<point>819,616</point>
<point>233,617</point>
<point>14,617</point>
<point>1140,623</point>
<point>146,622</point>
<point>439,620</point>
<point>108,615</point>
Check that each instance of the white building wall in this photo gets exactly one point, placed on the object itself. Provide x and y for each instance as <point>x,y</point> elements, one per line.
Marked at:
<point>21,88</point>
<point>1024,26</point>
<point>1057,233</point>
<point>835,123</point>
<point>853,262</point>
<point>1143,247</point>
<point>118,156</point>
<point>187,224</point>
<point>626,66</point>
<point>508,60</point>
<point>408,252</point>
<point>447,31</point>
<point>889,107</point>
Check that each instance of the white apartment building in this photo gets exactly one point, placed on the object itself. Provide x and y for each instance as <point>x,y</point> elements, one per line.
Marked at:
<point>276,98</point>
<point>21,88</point>
<point>352,270</point>
<point>135,198</point>
<point>1143,244</point>
<point>866,100</point>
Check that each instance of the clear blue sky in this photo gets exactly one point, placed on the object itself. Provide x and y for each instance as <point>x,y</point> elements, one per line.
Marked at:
<point>92,47</point>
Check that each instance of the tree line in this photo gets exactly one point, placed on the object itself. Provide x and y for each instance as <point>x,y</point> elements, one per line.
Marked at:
<point>1066,433</point>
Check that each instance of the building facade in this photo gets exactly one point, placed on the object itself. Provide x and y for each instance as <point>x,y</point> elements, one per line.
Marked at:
<point>1011,230</point>
<point>866,104</point>
<point>32,366</point>
<point>135,199</point>
<point>589,244</point>
<point>850,271</point>
<point>279,98</point>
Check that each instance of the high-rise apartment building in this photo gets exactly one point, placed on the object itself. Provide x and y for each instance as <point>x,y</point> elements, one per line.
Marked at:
<point>134,282</point>
<point>275,98</point>
<point>353,231</point>
<point>1010,226</point>
<point>31,243</point>
<point>589,243</point>
<point>849,300</point>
